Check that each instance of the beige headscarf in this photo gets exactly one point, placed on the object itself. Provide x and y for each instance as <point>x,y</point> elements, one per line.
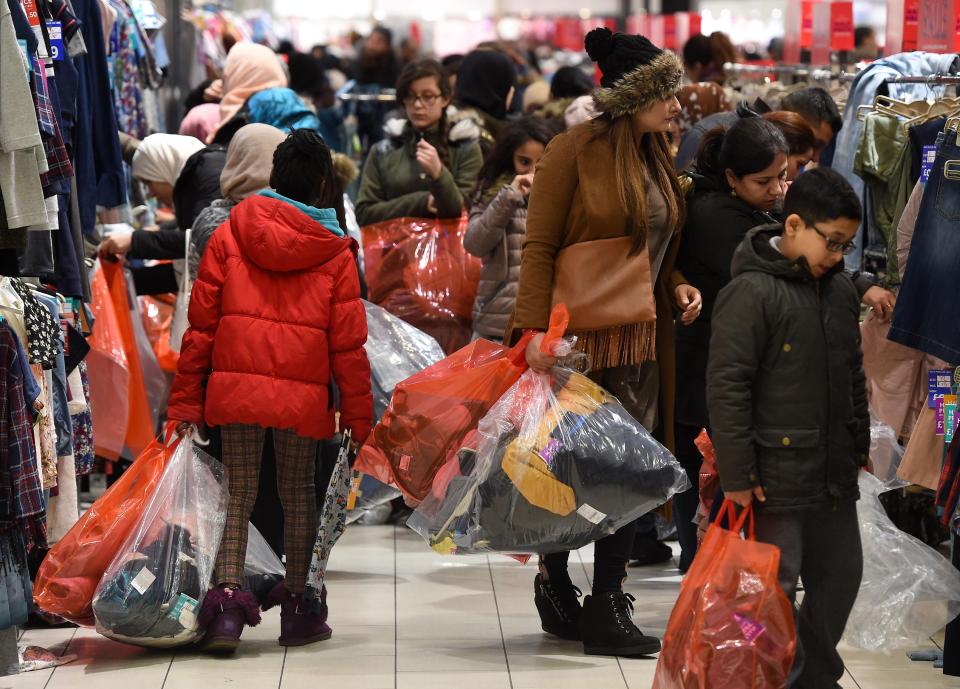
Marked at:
<point>161,157</point>
<point>249,161</point>
<point>249,69</point>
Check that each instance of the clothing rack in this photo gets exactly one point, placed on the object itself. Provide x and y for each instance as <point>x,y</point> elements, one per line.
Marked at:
<point>813,72</point>
<point>379,97</point>
<point>930,80</point>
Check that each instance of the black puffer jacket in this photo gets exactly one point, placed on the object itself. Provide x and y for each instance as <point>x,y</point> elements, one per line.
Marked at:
<point>786,390</point>
<point>716,224</point>
<point>197,187</point>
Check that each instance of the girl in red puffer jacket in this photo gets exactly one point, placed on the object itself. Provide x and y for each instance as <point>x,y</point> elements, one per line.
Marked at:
<point>275,320</point>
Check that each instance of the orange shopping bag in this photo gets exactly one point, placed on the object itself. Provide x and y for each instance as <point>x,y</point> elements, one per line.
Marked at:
<point>72,569</point>
<point>433,411</point>
<point>732,626</point>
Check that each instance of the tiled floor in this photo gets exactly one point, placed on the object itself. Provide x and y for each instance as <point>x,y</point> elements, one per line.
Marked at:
<point>405,618</point>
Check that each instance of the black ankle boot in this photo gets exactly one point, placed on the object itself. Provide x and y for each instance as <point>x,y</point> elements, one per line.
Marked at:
<point>559,608</point>
<point>607,628</point>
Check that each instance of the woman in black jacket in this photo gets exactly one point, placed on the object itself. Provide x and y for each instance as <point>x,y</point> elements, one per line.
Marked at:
<point>738,177</point>
<point>181,173</point>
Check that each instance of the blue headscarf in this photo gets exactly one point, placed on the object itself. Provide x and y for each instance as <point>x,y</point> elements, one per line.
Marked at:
<point>282,108</point>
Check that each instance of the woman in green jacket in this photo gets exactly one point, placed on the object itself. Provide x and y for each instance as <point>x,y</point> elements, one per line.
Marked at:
<point>424,168</point>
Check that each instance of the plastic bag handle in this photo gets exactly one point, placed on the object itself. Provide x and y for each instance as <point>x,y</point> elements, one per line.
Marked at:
<point>559,320</point>
<point>729,509</point>
<point>169,435</point>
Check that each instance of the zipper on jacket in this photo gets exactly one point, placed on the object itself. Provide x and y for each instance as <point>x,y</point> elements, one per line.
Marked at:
<point>826,347</point>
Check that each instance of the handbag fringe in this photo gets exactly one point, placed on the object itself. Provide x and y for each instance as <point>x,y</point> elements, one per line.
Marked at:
<point>622,345</point>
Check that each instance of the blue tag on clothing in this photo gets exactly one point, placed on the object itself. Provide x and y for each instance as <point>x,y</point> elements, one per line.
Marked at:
<point>927,160</point>
<point>939,382</point>
<point>55,32</point>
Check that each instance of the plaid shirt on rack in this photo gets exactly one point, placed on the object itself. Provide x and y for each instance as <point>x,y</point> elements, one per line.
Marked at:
<point>58,160</point>
<point>21,496</point>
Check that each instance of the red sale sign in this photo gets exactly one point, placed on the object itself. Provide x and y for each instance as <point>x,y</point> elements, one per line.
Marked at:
<point>901,26</point>
<point>841,26</point>
<point>937,24</point>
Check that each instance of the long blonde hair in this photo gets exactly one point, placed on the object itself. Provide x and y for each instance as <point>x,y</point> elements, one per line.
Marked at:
<point>638,161</point>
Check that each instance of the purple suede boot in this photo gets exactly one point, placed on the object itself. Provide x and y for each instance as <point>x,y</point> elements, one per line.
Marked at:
<point>223,614</point>
<point>302,622</point>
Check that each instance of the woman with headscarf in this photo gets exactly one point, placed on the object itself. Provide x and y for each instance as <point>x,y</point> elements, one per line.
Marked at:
<point>182,173</point>
<point>247,171</point>
<point>201,121</point>
<point>249,69</point>
<point>486,84</point>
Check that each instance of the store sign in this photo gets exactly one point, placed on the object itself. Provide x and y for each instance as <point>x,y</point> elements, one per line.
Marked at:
<point>841,26</point>
<point>806,23</point>
<point>901,26</point>
<point>820,43</point>
<point>937,24</point>
<point>639,24</point>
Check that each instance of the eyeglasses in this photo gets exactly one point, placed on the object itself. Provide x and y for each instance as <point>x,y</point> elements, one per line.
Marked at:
<point>832,244</point>
<point>428,99</point>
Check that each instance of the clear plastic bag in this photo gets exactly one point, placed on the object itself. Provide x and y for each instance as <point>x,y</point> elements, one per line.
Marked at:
<point>396,351</point>
<point>885,455</point>
<point>556,464</point>
<point>151,593</point>
<point>262,569</point>
<point>908,591</point>
<point>370,495</point>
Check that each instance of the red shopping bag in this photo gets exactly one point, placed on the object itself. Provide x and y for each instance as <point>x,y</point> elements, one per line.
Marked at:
<point>433,411</point>
<point>709,483</point>
<point>70,572</point>
<point>419,271</point>
<point>732,626</point>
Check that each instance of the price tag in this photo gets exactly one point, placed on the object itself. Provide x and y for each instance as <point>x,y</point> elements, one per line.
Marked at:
<point>939,383</point>
<point>55,32</point>
<point>142,581</point>
<point>949,417</point>
<point>927,159</point>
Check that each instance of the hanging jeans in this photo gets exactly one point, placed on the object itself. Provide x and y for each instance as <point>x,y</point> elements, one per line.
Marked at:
<point>927,312</point>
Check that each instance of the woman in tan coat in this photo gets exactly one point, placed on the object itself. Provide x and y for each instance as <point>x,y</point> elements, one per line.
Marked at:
<point>602,237</point>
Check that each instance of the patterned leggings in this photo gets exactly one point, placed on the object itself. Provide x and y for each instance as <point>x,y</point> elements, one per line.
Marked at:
<point>296,461</point>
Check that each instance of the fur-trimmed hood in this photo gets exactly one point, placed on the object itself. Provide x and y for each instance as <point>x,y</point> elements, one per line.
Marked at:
<point>656,80</point>
<point>463,126</point>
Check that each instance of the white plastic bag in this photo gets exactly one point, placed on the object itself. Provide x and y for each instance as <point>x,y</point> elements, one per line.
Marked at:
<point>396,351</point>
<point>908,591</point>
<point>557,463</point>
<point>180,320</point>
<point>885,455</point>
<point>151,593</point>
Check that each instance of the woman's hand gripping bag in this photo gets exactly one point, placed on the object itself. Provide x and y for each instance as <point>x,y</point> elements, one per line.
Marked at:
<point>732,626</point>
<point>433,411</point>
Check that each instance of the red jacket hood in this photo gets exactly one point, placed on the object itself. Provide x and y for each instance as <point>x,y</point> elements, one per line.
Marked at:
<point>277,237</point>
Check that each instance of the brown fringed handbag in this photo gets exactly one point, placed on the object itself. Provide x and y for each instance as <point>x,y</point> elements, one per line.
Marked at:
<point>609,295</point>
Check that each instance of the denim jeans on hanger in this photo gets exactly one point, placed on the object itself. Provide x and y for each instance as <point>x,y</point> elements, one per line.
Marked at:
<point>927,313</point>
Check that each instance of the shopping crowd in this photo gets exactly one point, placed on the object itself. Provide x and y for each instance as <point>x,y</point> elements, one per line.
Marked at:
<point>696,243</point>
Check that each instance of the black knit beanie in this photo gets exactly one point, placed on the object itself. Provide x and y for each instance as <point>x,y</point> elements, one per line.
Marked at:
<point>636,73</point>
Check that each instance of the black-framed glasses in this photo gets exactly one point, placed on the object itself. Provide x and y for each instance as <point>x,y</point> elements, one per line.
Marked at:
<point>832,244</point>
<point>428,99</point>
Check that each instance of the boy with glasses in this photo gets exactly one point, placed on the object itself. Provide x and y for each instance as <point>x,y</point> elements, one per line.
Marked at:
<point>788,407</point>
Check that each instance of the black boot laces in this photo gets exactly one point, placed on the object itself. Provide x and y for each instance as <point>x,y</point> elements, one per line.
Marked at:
<point>563,599</point>
<point>622,604</point>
